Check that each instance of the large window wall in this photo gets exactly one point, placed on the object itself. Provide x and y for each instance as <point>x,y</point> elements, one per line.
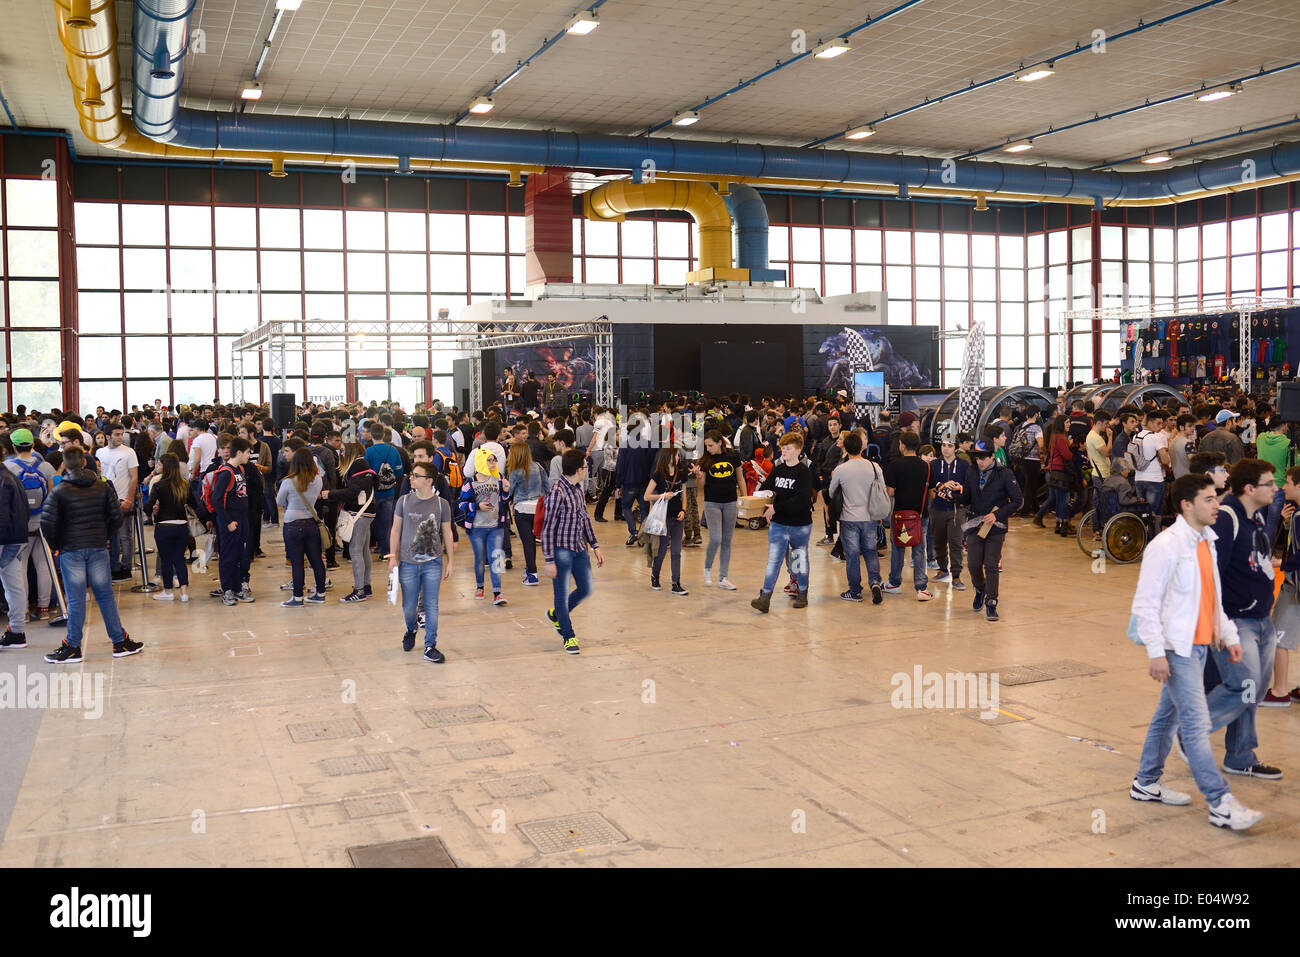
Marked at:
<point>29,291</point>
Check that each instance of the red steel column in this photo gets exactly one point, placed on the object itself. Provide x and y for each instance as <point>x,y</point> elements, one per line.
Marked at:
<point>548,228</point>
<point>69,323</point>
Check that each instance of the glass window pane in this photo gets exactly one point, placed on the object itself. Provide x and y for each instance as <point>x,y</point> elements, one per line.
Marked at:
<point>322,228</point>
<point>279,229</point>
<point>1036,251</point>
<point>1080,243</point>
<point>236,270</point>
<point>1189,243</point>
<point>99,312</point>
<point>236,312</point>
<point>406,231</point>
<point>38,395</point>
<point>1112,279</point>
<point>97,223</point>
<point>837,244</point>
<point>1139,243</point>
<point>146,312</point>
<point>866,246</point>
<point>33,253</point>
<point>365,229</point>
<point>447,273</point>
<point>1011,251</point>
<point>1164,280</point>
<point>807,243</point>
<point>1273,270</point>
<point>1011,316</point>
<point>236,226</point>
<point>107,394</point>
<point>778,243</point>
<point>983,250</point>
<point>1112,242</point>
<point>487,234</point>
<point>193,356</point>
<point>1214,276</point>
<point>189,225</point>
<point>143,225</point>
<point>898,281</point>
<point>31,202</point>
<point>515,233</point>
<point>1056,247</point>
<point>33,303</point>
<point>447,231</point>
<point>1189,275</point>
<point>366,271</point>
<point>927,248</point>
<point>327,307</point>
<point>201,390</point>
<point>1272,231</point>
<point>867,279</point>
<point>1243,235</point>
<point>35,354</point>
<point>1139,279</point>
<point>488,274</point>
<point>406,272</point>
<point>1243,273</point>
<point>144,391</point>
<point>191,269</point>
<point>927,282</point>
<point>281,306</point>
<point>839,279</point>
<point>282,271</point>
<point>1162,245</point>
<point>1012,285</point>
<point>99,269</point>
<point>898,247</point>
<point>956,283</point>
<point>956,249</point>
<point>898,312</point>
<point>809,276</point>
<point>1081,288</point>
<point>927,314</point>
<point>984,284</point>
<point>956,314</point>
<point>192,312</point>
<point>518,275</point>
<point>1214,240</point>
<point>599,270</point>
<point>1035,284</point>
<point>411,308</point>
<point>672,272</point>
<point>673,239</point>
<point>144,268</point>
<point>324,271</point>
<point>638,238</point>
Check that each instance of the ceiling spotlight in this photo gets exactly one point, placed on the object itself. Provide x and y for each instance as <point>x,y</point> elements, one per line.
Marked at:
<point>251,91</point>
<point>686,118</point>
<point>482,105</point>
<point>1219,92</point>
<point>832,49</point>
<point>288,4</point>
<point>1019,146</point>
<point>860,133</point>
<point>583,23</point>
<point>1151,159</point>
<point>1035,73</point>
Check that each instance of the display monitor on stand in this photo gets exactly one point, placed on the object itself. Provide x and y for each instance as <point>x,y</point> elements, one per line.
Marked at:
<point>870,394</point>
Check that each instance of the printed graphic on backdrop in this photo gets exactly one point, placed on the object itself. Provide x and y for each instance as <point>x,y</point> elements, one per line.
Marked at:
<point>907,355</point>
<point>573,361</point>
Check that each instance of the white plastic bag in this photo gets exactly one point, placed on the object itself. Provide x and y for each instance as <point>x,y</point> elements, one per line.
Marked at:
<point>392,586</point>
<point>656,523</point>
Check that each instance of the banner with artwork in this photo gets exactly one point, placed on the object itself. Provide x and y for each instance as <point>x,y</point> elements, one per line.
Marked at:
<point>908,355</point>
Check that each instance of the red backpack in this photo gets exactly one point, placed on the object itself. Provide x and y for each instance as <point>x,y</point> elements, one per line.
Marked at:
<point>209,480</point>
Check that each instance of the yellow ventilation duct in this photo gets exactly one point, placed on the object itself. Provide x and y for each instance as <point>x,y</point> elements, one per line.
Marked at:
<point>614,200</point>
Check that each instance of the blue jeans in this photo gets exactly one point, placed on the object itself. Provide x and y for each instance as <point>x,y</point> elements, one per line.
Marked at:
<point>631,495</point>
<point>487,551</point>
<point>577,564</point>
<point>779,538</point>
<point>1182,708</point>
<point>897,555</point>
<point>383,525</point>
<point>417,577</point>
<point>1062,498</point>
<point>82,567</point>
<point>1233,702</point>
<point>859,538</point>
<point>928,534</point>
<point>1274,517</point>
<point>1154,493</point>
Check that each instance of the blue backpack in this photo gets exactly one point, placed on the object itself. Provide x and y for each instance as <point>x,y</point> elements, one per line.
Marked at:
<point>36,485</point>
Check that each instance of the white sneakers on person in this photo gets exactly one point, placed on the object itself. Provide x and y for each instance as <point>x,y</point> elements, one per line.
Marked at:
<point>1231,813</point>
<point>892,589</point>
<point>164,596</point>
<point>924,595</point>
<point>725,584</point>
<point>708,576</point>
<point>1158,792</point>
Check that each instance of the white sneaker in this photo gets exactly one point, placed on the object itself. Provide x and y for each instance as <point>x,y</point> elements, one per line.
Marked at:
<point>892,589</point>
<point>1158,792</point>
<point>943,579</point>
<point>185,599</point>
<point>1230,812</point>
<point>924,595</point>
<point>725,584</point>
<point>708,576</point>
<point>164,596</point>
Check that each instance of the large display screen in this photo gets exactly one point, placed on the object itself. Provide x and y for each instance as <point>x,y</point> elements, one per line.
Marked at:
<point>869,388</point>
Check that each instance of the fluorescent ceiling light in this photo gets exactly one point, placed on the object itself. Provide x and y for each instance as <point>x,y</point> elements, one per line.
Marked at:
<point>583,23</point>
<point>1151,159</point>
<point>832,48</point>
<point>1019,146</point>
<point>482,105</point>
<point>1035,73</point>
<point>686,118</point>
<point>288,4</point>
<point>251,91</point>
<point>1219,92</point>
<point>860,133</point>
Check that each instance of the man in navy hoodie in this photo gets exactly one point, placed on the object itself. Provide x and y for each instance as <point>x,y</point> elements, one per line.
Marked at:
<point>1245,560</point>
<point>992,496</point>
<point>230,501</point>
<point>632,474</point>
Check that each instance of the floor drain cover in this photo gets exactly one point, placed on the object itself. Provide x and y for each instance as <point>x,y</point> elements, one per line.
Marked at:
<point>559,834</point>
<point>372,805</point>
<point>461,714</point>
<point>420,852</point>
<point>354,764</point>
<point>324,730</point>
<point>1068,669</point>
<point>517,787</point>
<point>1021,675</point>
<point>480,749</point>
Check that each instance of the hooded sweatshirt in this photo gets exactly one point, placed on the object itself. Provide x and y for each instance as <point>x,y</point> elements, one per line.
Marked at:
<point>1245,561</point>
<point>1275,449</point>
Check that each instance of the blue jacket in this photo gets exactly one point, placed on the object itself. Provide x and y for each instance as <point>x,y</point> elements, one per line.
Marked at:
<point>634,468</point>
<point>1000,494</point>
<point>940,472</point>
<point>1245,561</point>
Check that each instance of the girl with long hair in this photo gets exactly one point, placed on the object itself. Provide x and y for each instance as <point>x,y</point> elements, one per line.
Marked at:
<point>297,496</point>
<point>720,471</point>
<point>168,496</point>
<point>667,482</point>
<point>358,482</point>
<point>529,483</point>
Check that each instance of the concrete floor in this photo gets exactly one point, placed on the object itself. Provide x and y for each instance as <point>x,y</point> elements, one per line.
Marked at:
<point>760,740</point>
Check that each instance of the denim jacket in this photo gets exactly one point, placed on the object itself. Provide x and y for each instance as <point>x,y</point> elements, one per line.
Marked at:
<point>525,490</point>
<point>1164,610</point>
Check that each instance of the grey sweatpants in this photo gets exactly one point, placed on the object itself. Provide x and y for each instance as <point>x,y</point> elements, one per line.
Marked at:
<point>359,551</point>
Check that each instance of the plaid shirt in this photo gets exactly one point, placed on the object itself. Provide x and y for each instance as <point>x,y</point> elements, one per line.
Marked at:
<point>566,523</point>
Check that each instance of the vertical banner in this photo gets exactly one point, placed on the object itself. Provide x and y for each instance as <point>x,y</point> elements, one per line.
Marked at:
<point>972,380</point>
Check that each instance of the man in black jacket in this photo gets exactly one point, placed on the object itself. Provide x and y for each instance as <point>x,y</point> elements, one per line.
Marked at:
<point>991,496</point>
<point>529,391</point>
<point>827,454</point>
<point>14,514</point>
<point>79,518</point>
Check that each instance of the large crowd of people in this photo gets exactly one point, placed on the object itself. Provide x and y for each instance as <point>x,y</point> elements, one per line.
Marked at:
<point>1213,478</point>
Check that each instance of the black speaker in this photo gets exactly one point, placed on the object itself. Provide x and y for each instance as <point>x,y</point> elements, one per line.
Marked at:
<point>282,409</point>
<point>1047,380</point>
<point>624,391</point>
<point>464,401</point>
<point>1288,401</point>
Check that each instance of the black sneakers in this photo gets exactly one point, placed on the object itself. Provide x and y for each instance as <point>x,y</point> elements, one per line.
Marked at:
<point>654,583</point>
<point>679,591</point>
<point>431,653</point>
<point>12,640</point>
<point>126,647</point>
<point>876,595</point>
<point>353,596</point>
<point>991,610</point>
<point>63,654</point>
<point>1265,771</point>
<point>978,603</point>
<point>408,641</point>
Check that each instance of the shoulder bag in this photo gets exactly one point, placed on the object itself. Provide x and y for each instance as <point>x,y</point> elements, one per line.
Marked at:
<point>906,525</point>
<point>320,525</point>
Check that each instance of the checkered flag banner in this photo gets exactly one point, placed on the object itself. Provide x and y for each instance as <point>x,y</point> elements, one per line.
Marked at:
<point>972,380</point>
<point>859,354</point>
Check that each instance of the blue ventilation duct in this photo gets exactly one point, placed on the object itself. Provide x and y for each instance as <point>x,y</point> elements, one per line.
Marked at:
<point>160,35</point>
<point>750,215</point>
<point>165,23</point>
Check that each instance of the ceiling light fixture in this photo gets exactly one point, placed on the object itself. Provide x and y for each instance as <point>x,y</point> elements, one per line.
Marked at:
<point>1219,92</point>
<point>482,105</point>
<point>1035,73</point>
<point>288,4</point>
<point>251,91</point>
<point>583,23</point>
<point>1151,159</point>
<point>686,118</point>
<point>1019,146</point>
<point>860,133</point>
<point>832,48</point>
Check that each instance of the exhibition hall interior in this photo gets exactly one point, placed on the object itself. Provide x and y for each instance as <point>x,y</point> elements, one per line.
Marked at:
<point>649,434</point>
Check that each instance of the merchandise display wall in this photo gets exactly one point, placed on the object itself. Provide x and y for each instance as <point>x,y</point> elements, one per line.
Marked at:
<point>1206,347</point>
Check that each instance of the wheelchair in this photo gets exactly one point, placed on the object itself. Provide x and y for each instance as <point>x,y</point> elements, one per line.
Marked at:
<point>1124,532</point>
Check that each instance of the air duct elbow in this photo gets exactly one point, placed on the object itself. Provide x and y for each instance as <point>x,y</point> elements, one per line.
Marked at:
<point>750,215</point>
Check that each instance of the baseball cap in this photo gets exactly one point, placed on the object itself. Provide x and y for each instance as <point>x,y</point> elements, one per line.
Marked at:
<point>982,449</point>
<point>906,419</point>
<point>1225,415</point>
<point>21,438</point>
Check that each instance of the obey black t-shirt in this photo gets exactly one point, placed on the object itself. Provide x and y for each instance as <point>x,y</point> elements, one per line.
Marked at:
<point>720,477</point>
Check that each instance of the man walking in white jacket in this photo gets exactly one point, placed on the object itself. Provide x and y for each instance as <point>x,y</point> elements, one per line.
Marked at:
<point>1177,614</point>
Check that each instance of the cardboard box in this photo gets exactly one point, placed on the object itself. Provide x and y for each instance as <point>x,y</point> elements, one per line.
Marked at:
<point>751,506</point>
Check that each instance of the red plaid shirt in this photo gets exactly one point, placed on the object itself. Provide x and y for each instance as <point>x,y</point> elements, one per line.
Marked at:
<point>566,523</point>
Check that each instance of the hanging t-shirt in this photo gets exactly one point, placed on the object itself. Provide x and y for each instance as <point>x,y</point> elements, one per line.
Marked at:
<point>1200,367</point>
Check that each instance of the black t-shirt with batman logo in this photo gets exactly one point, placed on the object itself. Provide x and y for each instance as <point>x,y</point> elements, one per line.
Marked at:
<point>720,477</point>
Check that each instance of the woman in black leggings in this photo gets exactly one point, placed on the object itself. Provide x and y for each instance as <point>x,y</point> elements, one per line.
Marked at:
<point>171,529</point>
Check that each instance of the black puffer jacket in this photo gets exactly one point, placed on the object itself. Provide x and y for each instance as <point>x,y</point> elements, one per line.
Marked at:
<point>81,512</point>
